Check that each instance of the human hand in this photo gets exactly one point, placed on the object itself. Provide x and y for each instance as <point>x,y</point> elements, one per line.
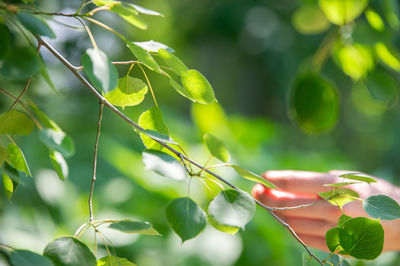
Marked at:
<point>311,223</point>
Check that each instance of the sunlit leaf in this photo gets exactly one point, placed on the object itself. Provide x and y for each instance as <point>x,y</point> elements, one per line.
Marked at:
<point>163,164</point>
<point>309,19</point>
<point>158,136</point>
<point>152,119</point>
<point>130,92</point>
<point>217,148</point>
<point>342,219</point>
<point>59,164</point>
<point>359,177</point>
<point>172,61</point>
<point>341,12</point>
<point>146,11</point>
<point>16,158</point>
<point>387,56</point>
<point>356,60</point>
<point>15,123</point>
<point>114,261</point>
<point>198,86</point>
<point>231,208</point>
<point>129,14</point>
<point>339,197</point>
<point>134,227</point>
<point>152,46</point>
<point>210,118</point>
<point>69,251</point>
<point>8,186</point>
<point>186,218</point>
<point>181,90</point>
<point>35,25</point>
<point>382,207</point>
<point>106,2</point>
<point>252,176</point>
<point>143,56</point>
<point>57,140</point>
<point>25,257</point>
<point>332,239</point>
<point>99,69</point>
<point>19,63</point>
<point>374,20</point>
<point>341,184</point>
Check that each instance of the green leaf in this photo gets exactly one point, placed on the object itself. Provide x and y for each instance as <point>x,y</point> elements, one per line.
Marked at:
<point>25,257</point>
<point>252,176</point>
<point>314,103</point>
<point>217,148</point>
<point>143,56</point>
<point>129,14</point>
<point>383,87</point>
<point>387,56</point>
<point>382,207</point>
<point>46,76</point>
<point>172,61</point>
<point>374,20</point>
<point>307,260</point>
<point>15,123</point>
<point>106,2</point>
<point>8,186</point>
<point>146,11</point>
<point>339,197</point>
<point>44,119</point>
<point>19,63</point>
<point>163,164</point>
<point>359,177</point>
<point>198,86</point>
<point>114,261</point>
<point>181,90</point>
<point>309,19</point>
<point>232,208</point>
<point>341,184</point>
<point>362,238</point>
<point>342,219</point>
<point>134,227</point>
<point>152,46</point>
<point>332,239</point>
<point>35,25</point>
<point>5,40</point>
<point>57,140</point>
<point>158,136</point>
<point>69,251</point>
<point>130,92</point>
<point>341,12</point>
<point>3,154</point>
<point>16,158</point>
<point>355,60</point>
<point>99,69</point>
<point>13,174</point>
<point>152,119</point>
<point>186,218</point>
<point>59,164</point>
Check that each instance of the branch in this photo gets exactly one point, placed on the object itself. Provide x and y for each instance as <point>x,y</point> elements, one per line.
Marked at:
<point>102,100</point>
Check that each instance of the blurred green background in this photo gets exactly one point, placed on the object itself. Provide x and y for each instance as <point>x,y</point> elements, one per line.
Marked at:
<point>251,52</point>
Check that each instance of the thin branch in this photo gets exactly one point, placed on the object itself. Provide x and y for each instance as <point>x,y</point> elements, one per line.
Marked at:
<point>298,206</point>
<point>105,27</point>
<point>96,148</point>
<point>72,68</point>
<point>130,62</point>
<point>89,33</point>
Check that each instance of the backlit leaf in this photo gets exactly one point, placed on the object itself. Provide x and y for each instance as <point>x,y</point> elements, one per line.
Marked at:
<point>252,176</point>
<point>152,119</point>
<point>341,12</point>
<point>356,60</point>
<point>153,46</point>
<point>57,140</point>
<point>387,56</point>
<point>163,164</point>
<point>15,123</point>
<point>16,158</point>
<point>134,227</point>
<point>217,148</point>
<point>172,61</point>
<point>309,19</point>
<point>198,86</point>
<point>130,92</point>
<point>129,14</point>
<point>374,20</point>
<point>340,196</point>
<point>332,239</point>
<point>59,164</point>
<point>359,177</point>
<point>143,56</point>
<point>8,186</point>
<point>114,261</point>
<point>382,207</point>
<point>35,25</point>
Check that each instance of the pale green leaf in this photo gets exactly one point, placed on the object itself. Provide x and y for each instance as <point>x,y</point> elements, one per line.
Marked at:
<point>309,19</point>
<point>387,56</point>
<point>359,177</point>
<point>146,11</point>
<point>134,227</point>
<point>374,20</point>
<point>382,207</point>
<point>130,92</point>
<point>198,86</point>
<point>3,154</point>
<point>8,186</point>
<point>143,56</point>
<point>217,148</point>
<point>356,60</point>
<point>341,12</point>
<point>129,14</point>
<point>15,123</point>
<point>341,184</point>
<point>114,261</point>
<point>59,164</point>
<point>172,61</point>
<point>152,46</point>
<point>339,197</point>
<point>252,176</point>
<point>181,90</point>
<point>152,119</point>
<point>163,164</point>
<point>16,158</point>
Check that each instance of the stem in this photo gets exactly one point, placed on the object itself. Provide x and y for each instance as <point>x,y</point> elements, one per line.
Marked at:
<point>81,230</point>
<point>80,8</point>
<point>96,148</point>
<point>21,94</point>
<point>130,62</point>
<point>298,206</point>
<point>72,68</point>
<point>89,33</point>
<point>148,82</point>
<point>105,27</point>
<point>324,49</point>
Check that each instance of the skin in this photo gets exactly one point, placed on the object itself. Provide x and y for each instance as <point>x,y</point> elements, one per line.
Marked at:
<point>311,223</point>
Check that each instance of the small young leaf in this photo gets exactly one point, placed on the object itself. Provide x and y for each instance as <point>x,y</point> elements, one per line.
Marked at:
<point>339,197</point>
<point>134,227</point>
<point>382,207</point>
<point>8,186</point>
<point>252,176</point>
<point>16,158</point>
<point>232,208</point>
<point>142,55</point>
<point>342,219</point>
<point>362,238</point>
<point>130,92</point>
<point>59,164</point>
<point>99,69</point>
<point>35,25</point>
<point>69,251</point>
<point>332,239</point>
<point>152,119</point>
<point>217,148</point>
<point>198,86</point>
<point>341,184</point>
<point>15,123</point>
<point>152,46</point>
<point>359,177</point>
<point>163,164</point>
<point>172,61</point>
<point>57,140</point>
<point>114,261</point>
<point>186,218</point>
<point>25,257</point>
<point>146,11</point>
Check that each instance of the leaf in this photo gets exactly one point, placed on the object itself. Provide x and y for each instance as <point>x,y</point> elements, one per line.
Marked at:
<point>106,2</point>
<point>362,238</point>
<point>152,46</point>
<point>342,219</point>
<point>3,154</point>
<point>21,257</point>
<point>309,19</point>
<point>158,136</point>
<point>143,56</point>
<point>339,197</point>
<point>114,261</point>
<point>57,140</point>
<point>59,164</point>
<point>19,63</point>
<point>181,90</point>
<point>355,60</point>
<point>134,227</point>
<point>307,260</point>
<point>198,86</point>
<point>15,123</point>
<point>332,239</point>
<point>359,177</point>
<point>16,158</point>
<point>217,148</point>
<point>35,25</point>
<point>186,218</point>
<point>45,74</point>
<point>99,69</point>
<point>387,56</point>
<point>172,61</point>
<point>232,208</point>
<point>69,251</point>
<point>130,92</point>
<point>383,87</point>
<point>341,184</point>
<point>5,40</point>
<point>382,207</point>
<point>374,20</point>
<point>252,176</point>
<point>152,119</point>
<point>163,164</point>
<point>129,14</point>
<point>44,119</point>
<point>146,11</point>
<point>341,12</point>
<point>13,174</point>
<point>314,103</point>
<point>8,186</point>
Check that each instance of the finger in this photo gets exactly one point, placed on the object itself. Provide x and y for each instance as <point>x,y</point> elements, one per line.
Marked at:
<point>315,242</point>
<point>311,227</point>
<point>301,181</point>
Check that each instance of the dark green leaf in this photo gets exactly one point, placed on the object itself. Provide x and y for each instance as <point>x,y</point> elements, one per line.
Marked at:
<point>163,164</point>
<point>153,46</point>
<point>99,69</point>
<point>130,92</point>
<point>15,123</point>
<point>172,61</point>
<point>341,12</point>
<point>20,63</point>
<point>5,40</point>
<point>217,148</point>
<point>16,158</point>
<point>252,176</point>
<point>382,207</point>
<point>198,86</point>
<point>143,56</point>
<point>8,186</point>
<point>35,25</point>
<point>57,140</point>
<point>153,120</point>
<point>339,197</point>
<point>45,74</point>
<point>114,261</point>
<point>359,177</point>
<point>383,87</point>
<point>232,208</point>
<point>332,239</point>
<point>59,164</point>
<point>186,218</point>
<point>25,257</point>
<point>342,219</point>
<point>69,251</point>
<point>134,227</point>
